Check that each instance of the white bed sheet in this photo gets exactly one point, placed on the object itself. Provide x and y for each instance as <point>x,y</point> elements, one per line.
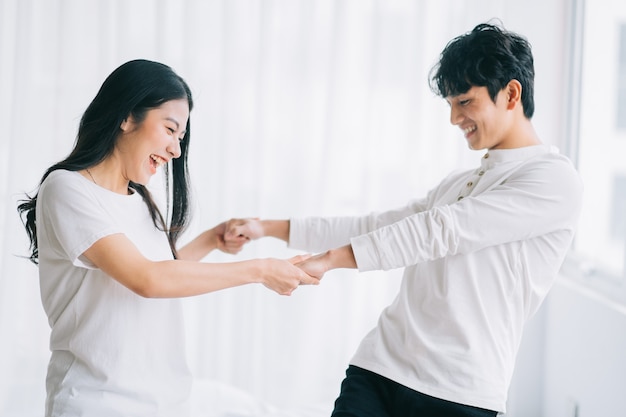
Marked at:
<point>216,399</point>
<point>209,399</point>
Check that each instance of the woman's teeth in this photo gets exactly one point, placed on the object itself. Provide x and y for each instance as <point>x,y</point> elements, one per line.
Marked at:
<point>158,161</point>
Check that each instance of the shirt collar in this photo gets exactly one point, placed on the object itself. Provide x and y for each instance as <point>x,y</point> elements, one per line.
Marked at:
<point>496,156</point>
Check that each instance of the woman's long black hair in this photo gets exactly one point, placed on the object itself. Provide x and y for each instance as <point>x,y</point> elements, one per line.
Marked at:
<point>131,90</point>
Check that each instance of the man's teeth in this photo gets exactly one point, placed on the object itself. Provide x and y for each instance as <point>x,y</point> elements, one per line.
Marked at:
<point>157,160</point>
<point>468,130</point>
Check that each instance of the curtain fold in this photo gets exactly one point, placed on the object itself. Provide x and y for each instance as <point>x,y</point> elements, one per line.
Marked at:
<point>304,107</point>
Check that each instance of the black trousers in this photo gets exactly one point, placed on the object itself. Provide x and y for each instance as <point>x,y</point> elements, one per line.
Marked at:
<point>367,394</point>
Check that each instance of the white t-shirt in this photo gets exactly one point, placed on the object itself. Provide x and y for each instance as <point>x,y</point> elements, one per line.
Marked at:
<point>480,253</point>
<point>114,353</point>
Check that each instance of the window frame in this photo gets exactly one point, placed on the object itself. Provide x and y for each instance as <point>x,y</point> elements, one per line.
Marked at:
<point>577,265</point>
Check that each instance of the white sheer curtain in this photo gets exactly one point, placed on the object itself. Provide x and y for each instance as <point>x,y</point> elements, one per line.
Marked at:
<point>302,107</point>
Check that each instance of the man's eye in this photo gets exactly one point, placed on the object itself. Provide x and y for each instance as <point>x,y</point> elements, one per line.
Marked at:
<point>464,102</point>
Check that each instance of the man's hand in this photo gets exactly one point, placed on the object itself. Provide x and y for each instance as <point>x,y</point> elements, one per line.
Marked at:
<point>224,244</point>
<point>240,231</point>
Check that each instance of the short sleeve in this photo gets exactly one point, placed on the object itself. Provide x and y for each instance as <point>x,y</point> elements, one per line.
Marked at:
<point>70,217</point>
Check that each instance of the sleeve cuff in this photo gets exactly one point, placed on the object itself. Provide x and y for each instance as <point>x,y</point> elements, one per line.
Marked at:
<point>365,253</point>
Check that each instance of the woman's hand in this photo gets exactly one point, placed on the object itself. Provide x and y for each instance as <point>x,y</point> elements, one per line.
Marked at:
<point>208,241</point>
<point>315,266</point>
<point>227,245</point>
<point>244,229</point>
<point>283,277</point>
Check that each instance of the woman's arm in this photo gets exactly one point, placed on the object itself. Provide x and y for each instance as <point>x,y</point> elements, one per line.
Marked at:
<point>208,241</point>
<point>118,257</point>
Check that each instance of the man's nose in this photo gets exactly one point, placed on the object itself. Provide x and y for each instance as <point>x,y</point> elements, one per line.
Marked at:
<point>455,115</point>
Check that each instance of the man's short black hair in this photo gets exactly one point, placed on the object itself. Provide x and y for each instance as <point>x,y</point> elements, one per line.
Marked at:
<point>488,56</point>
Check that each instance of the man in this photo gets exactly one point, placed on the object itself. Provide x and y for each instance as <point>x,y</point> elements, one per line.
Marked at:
<point>480,250</point>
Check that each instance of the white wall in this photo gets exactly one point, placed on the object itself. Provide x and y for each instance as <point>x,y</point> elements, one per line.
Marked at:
<point>585,371</point>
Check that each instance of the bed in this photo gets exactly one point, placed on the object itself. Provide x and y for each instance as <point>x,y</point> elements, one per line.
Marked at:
<point>216,399</point>
<point>209,399</point>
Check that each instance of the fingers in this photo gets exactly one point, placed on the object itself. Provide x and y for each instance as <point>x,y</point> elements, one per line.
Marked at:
<point>236,230</point>
<point>233,246</point>
<point>231,250</point>
<point>239,227</point>
<point>299,258</point>
<point>235,233</point>
<point>309,280</point>
<point>249,228</point>
<point>305,280</point>
<point>283,277</point>
<point>282,291</point>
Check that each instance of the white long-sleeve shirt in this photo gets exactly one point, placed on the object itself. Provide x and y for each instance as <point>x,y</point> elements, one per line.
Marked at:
<point>480,253</point>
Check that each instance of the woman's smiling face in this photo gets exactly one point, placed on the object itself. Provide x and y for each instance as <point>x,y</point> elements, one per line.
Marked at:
<point>145,146</point>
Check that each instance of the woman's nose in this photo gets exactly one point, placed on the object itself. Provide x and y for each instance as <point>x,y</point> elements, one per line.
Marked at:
<point>174,148</point>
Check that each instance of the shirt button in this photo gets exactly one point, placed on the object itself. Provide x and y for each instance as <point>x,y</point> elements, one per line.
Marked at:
<point>460,198</point>
<point>486,156</point>
<point>480,173</point>
<point>469,184</point>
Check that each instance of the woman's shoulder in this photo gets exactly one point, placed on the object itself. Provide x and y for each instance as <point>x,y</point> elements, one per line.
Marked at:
<point>62,176</point>
<point>61,182</point>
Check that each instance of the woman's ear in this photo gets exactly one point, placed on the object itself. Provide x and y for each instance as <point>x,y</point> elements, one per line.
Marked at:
<point>514,93</point>
<point>126,124</point>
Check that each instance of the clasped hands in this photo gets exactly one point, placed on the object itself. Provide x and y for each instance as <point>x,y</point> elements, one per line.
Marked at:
<point>233,234</point>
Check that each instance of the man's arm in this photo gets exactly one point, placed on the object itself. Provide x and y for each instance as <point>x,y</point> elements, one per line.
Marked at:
<point>238,231</point>
<point>316,266</point>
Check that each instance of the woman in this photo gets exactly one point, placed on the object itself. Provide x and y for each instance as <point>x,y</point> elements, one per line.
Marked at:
<point>110,270</point>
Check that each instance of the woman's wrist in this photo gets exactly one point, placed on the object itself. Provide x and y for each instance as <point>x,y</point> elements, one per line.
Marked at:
<point>211,237</point>
<point>257,270</point>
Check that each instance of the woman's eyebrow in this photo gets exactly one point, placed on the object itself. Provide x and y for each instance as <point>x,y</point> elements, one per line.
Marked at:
<point>171,119</point>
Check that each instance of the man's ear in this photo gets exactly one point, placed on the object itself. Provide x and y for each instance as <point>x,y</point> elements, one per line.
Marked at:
<point>513,93</point>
